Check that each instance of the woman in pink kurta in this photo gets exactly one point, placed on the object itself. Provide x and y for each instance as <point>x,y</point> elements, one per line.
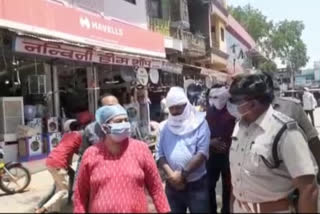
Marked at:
<point>114,174</point>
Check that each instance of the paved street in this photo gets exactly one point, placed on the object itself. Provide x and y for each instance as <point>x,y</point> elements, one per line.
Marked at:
<point>42,181</point>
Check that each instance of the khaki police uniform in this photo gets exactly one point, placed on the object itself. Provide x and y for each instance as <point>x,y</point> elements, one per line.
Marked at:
<point>294,110</point>
<point>253,182</point>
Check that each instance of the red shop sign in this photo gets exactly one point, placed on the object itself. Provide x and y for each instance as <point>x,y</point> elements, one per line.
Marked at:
<point>53,19</point>
<point>56,50</point>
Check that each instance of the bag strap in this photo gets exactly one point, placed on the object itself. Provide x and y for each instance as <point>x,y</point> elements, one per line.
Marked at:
<point>275,155</point>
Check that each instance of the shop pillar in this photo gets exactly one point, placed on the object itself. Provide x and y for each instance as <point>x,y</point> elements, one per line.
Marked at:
<point>55,89</point>
<point>93,93</point>
<point>49,81</point>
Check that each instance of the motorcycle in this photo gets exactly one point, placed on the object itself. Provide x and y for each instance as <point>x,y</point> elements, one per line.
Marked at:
<point>14,177</point>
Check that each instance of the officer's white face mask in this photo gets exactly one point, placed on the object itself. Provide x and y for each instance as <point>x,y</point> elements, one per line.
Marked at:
<point>234,110</point>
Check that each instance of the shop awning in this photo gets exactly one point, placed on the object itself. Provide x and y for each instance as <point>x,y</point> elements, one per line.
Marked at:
<point>51,19</point>
<point>191,70</point>
<point>220,76</point>
<point>195,70</point>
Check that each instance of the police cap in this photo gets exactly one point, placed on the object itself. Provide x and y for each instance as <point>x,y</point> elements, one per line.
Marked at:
<point>254,86</point>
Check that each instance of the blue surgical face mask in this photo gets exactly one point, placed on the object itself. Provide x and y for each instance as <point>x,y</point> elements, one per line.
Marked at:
<point>118,132</point>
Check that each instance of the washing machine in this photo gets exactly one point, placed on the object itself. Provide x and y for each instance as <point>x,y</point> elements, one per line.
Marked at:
<point>31,148</point>
<point>35,145</point>
<point>53,140</point>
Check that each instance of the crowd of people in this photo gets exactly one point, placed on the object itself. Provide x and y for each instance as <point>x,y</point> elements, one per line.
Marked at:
<point>263,147</point>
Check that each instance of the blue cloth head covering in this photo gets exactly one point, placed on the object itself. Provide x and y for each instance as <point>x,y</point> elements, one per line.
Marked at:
<point>106,113</point>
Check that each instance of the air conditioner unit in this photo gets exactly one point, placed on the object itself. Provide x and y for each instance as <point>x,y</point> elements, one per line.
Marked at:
<point>11,116</point>
<point>37,84</point>
<point>10,150</point>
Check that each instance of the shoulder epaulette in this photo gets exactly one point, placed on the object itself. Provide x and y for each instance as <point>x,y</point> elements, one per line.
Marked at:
<point>290,99</point>
<point>282,117</point>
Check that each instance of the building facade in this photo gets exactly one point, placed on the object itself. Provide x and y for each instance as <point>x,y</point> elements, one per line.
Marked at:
<point>308,78</point>
<point>239,44</point>
<point>131,11</point>
<point>57,66</point>
<point>218,35</point>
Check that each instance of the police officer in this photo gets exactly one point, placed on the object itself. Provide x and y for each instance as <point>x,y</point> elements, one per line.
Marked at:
<point>257,187</point>
<point>293,109</point>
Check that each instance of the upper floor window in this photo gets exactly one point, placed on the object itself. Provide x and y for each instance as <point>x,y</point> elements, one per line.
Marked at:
<point>222,34</point>
<point>131,1</point>
<point>93,5</point>
<point>155,8</point>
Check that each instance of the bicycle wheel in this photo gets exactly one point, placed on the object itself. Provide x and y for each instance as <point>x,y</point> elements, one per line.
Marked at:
<point>15,179</point>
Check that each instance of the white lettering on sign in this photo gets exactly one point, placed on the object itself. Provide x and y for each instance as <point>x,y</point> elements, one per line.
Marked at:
<point>32,46</point>
<point>85,22</point>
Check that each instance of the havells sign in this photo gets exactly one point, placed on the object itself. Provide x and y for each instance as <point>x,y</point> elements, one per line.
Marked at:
<point>85,22</point>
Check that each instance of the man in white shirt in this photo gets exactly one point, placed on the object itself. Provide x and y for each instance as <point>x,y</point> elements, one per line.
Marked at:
<point>309,103</point>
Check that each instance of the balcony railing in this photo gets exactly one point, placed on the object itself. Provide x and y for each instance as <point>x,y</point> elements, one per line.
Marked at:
<point>194,45</point>
<point>220,6</point>
<point>179,14</point>
<point>216,49</point>
<point>160,25</point>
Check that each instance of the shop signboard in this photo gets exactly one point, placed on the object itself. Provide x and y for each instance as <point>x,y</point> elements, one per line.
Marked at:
<point>127,75</point>
<point>53,19</point>
<point>142,76</point>
<point>56,50</point>
<point>300,80</point>
<point>154,75</point>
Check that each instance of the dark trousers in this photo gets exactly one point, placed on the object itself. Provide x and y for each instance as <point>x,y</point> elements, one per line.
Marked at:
<point>195,197</point>
<point>218,165</point>
<point>310,112</point>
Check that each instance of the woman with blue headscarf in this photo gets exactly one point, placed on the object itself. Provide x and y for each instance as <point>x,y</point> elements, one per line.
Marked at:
<point>114,173</point>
